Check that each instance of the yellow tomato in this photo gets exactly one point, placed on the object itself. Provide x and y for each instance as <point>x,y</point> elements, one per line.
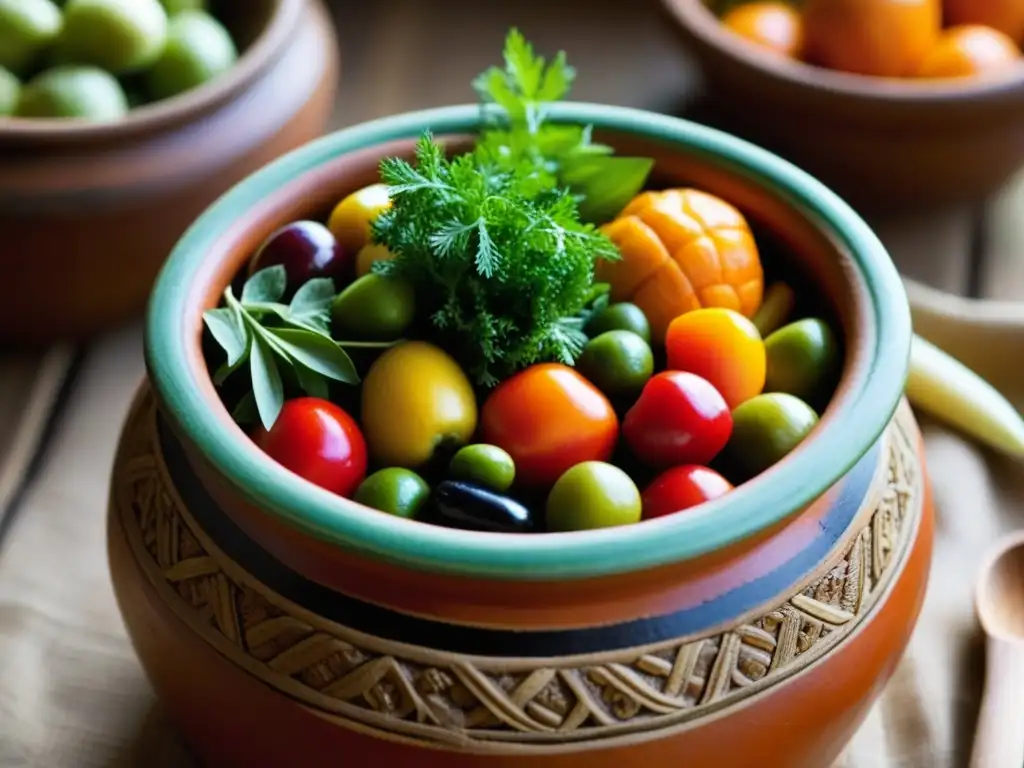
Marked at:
<point>415,398</point>
<point>1005,15</point>
<point>368,254</point>
<point>771,25</point>
<point>351,218</point>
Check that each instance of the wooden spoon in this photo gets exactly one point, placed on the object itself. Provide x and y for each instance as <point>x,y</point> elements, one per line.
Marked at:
<point>999,597</point>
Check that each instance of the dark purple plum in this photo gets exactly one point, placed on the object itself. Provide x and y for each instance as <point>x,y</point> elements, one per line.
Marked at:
<point>307,249</point>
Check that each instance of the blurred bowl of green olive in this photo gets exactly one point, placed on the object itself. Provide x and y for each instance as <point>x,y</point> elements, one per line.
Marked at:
<point>120,121</point>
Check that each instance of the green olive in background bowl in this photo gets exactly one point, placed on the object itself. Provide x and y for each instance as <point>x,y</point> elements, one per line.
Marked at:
<point>26,28</point>
<point>118,35</point>
<point>10,90</point>
<point>198,48</point>
<point>73,91</point>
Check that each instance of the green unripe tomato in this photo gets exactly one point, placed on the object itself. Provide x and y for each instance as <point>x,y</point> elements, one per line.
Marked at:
<point>765,429</point>
<point>394,490</point>
<point>617,362</point>
<point>73,92</point>
<point>198,49</point>
<point>10,90</point>
<point>486,465</point>
<point>623,316</point>
<point>802,359</point>
<point>177,6</point>
<point>26,28</point>
<point>118,35</point>
<point>374,308</point>
<point>590,495</point>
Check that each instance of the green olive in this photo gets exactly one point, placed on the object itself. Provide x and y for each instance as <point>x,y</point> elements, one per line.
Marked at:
<point>375,308</point>
<point>765,429</point>
<point>620,317</point>
<point>617,362</point>
<point>803,359</point>
<point>73,92</point>
<point>592,495</point>
<point>483,464</point>
<point>118,35</point>
<point>177,6</point>
<point>198,49</point>
<point>26,27</point>
<point>394,490</point>
<point>10,89</point>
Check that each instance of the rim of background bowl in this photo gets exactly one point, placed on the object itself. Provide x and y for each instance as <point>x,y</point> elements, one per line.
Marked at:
<point>254,59</point>
<point>702,22</point>
<point>857,418</point>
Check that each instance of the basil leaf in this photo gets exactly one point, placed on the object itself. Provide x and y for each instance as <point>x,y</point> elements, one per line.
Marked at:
<point>606,183</point>
<point>245,411</point>
<point>311,304</point>
<point>266,382</point>
<point>312,383</point>
<point>229,331</point>
<point>317,352</point>
<point>267,285</point>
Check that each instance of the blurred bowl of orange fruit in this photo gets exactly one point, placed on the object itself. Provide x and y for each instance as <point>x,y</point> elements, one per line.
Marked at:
<point>903,104</point>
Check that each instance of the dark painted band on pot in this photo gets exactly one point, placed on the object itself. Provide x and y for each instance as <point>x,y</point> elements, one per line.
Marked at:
<point>401,627</point>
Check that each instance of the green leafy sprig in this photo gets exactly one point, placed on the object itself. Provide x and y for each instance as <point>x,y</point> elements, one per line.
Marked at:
<point>258,329</point>
<point>523,91</point>
<point>501,262</point>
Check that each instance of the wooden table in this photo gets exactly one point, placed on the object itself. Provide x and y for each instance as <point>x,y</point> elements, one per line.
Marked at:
<point>408,54</point>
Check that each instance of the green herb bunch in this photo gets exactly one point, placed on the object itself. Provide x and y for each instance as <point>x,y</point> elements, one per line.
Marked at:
<point>495,240</point>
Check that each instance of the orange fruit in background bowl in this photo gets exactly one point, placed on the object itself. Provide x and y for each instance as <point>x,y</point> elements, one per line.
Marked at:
<point>970,50</point>
<point>682,250</point>
<point>775,26</point>
<point>1005,15</point>
<point>882,38</point>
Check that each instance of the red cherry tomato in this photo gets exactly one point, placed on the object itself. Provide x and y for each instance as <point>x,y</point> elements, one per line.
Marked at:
<point>318,441</point>
<point>679,418</point>
<point>681,488</point>
<point>549,419</point>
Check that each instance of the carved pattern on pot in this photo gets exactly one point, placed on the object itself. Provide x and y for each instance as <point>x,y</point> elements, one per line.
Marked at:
<point>422,693</point>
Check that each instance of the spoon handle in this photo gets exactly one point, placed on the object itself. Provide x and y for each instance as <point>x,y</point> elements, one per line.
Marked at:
<point>999,740</point>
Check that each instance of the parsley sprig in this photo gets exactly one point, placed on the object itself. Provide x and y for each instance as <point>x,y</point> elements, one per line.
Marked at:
<point>258,329</point>
<point>520,130</point>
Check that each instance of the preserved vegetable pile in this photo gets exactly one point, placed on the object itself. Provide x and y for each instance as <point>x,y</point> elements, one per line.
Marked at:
<point>523,338</point>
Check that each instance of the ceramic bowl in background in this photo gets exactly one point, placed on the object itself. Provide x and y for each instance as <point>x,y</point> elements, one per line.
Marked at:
<point>880,143</point>
<point>89,212</point>
<point>284,625</point>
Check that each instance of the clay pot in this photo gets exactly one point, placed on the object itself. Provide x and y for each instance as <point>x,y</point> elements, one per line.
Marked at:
<point>89,212</point>
<point>883,144</point>
<point>282,625</point>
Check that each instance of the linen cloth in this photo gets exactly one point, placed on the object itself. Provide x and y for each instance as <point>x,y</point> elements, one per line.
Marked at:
<point>72,694</point>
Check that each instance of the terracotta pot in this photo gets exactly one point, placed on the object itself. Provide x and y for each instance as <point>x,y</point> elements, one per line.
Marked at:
<point>88,212</point>
<point>881,143</point>
<point>282,625</point>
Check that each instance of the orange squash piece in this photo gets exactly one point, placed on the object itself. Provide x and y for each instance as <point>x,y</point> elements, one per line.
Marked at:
<point>969,51</point>
<point>881,38</point>
<point>683,249</point>
<point>1005,15</point>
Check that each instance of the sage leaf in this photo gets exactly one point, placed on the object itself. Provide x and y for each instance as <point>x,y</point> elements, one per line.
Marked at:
<point>229,331</point>
<point>312,383</point>
<point>311,305</point>
<point>267,388</point>
<point>266,286</point>
<point>317,352</point>
<point>245,411</point>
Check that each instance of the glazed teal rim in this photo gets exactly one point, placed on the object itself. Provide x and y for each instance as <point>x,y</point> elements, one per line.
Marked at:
<point>857,420</point>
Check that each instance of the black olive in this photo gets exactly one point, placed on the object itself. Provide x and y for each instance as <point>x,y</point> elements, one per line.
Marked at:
<point>457,504</point>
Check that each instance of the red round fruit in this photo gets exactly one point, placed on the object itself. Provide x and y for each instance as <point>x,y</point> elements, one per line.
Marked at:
<point>306,249</point>
<point>319,442</point>
<point>681,488</point>
<point>680,418</point>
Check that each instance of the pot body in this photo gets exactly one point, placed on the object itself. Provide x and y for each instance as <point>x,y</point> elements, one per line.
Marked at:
<point>877,148</point>
<point>85,225</point>
<point>776,647</point>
